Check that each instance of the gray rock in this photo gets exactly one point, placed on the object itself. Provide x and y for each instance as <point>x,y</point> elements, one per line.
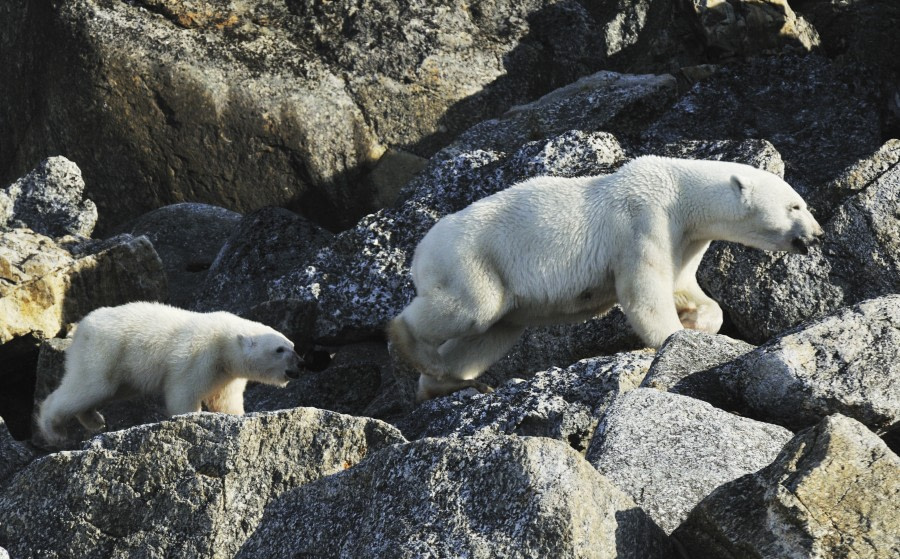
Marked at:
<point>264,246</point>
<point>473,497</point>
<point>766,293</point>
<point>685,364</point>
<point>563,404</point>
<point>667,452</point>
<point>14,455</point>
<point>187,238</point>
<point>49,200</point>
<point>195,486</point>
<point>847,362</point>
<point>831,492</point>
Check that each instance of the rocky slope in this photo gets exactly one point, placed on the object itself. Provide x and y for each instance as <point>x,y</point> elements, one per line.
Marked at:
<point>367,122</point>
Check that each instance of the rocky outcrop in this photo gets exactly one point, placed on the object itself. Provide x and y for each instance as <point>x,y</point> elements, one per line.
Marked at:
<point>844,363</point>
<point>474,497</point>
<point>194,486</point>
<point>563,404</point>
<point>831,492</point>
<point>667,452</point>
<point>13,454</point>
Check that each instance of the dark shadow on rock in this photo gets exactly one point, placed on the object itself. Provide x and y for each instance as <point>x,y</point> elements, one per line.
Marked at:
<point>17,377</point>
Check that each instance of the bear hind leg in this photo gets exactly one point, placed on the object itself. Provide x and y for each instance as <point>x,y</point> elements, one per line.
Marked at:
<point>71,400</point>
<point>92,420</point>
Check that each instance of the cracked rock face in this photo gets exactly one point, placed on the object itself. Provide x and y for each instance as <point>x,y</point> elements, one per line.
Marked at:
<point>669,451</point>
<point>476,497</point>
<point>194,486</point>
<point>831,492</point>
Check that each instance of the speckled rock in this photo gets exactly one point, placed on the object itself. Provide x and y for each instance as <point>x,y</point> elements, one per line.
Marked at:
<point>48,200</point>
<point>194,486</point>
<point>667,451</point>
<point>187,237</point>
<point>13,454</point>
<point>684,363</point>
<point>831,492</point>
<point>847,362</point>
<point>766,293</point>
<point>476,497</point>
<point>563,404</point>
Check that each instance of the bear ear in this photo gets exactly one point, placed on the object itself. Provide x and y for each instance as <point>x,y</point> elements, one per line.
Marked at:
<point>742,188</point>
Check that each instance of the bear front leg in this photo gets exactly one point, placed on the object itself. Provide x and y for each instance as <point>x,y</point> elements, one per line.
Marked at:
<point>698,312</point>
<point>645,293</point>
<point>228,399</point>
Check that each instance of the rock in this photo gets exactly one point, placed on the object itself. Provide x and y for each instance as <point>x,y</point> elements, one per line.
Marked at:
<point>48,200</point>
<point>563,404</point>
<point>187,238</point>
<point>195,486</point>
<point>264,246</point>
<point>765,293</point>
<point>47,287</point>
<point>847,362</point>
<point>13,455</point>
<point>121,414</point>
<point>831,492</point>
<point>684,364</point>
<point>735,27</point>
<point>667,451</point>
<point>245,105</point>
<point>474,497</point>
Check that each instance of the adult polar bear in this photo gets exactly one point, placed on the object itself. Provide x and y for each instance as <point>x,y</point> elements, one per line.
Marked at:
<point>552,250</point>
<point>151,348</point>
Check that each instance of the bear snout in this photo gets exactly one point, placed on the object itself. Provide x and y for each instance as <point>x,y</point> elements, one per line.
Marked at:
<point>802,244</point>
<point>292,374</point>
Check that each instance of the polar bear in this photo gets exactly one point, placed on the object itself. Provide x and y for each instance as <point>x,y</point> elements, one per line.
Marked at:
<point>551,250</point>
<point>152,348</point>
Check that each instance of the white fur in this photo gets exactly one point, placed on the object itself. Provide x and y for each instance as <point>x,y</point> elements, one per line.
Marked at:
<point>151,348</point>
<point>552,250</point>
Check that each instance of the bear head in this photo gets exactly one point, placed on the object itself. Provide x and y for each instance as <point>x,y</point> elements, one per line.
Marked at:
<point>269,358</point>
<point>774,216</point>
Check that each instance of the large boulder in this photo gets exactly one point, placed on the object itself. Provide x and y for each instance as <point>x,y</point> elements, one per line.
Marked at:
<point>831,492</point>
<point>667,452</point>
<point>187,237</point>
<point>195,486</point>
<point>847,362</point>
<point>474,497</point>
<point>13,454</point>
<point>563,404</point>
<point>49,200</point>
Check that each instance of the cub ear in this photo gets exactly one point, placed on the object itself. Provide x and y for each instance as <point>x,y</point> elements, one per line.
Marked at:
<point>247,342</point>
<point>742,187</point>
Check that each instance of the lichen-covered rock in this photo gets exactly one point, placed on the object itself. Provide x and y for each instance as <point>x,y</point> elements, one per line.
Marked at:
<point>13,454</point>
<point>187,237</point>
<point>667,451</point>
<point>765,293</point>
<point>49,200</point>
<point>563,404</point>
<point>478,497</point>
<point>684,364</point>
<point>831,492</point>
<point>194,486</point>
<point>736,27</point>
<point>847,362</point>
<point>47,287</point>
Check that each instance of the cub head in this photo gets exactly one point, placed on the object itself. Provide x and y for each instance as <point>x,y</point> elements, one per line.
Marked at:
<point>775,216</point>
<point>269,358</point>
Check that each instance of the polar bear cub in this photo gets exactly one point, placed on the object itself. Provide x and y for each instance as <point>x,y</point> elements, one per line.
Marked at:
<point>151,348</point>
<point>552,250</point>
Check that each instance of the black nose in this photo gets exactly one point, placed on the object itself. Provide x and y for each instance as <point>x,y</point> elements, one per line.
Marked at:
<point>800,245</point>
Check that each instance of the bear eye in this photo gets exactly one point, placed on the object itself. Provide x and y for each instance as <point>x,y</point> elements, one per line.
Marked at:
<point>796,207</point>
<point>279,350</point>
